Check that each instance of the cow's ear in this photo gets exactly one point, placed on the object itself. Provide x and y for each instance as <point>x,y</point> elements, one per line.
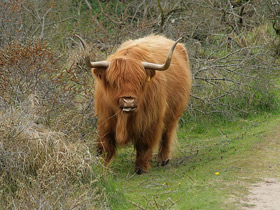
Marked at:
<point>150,74</point>
<point>98,73</point>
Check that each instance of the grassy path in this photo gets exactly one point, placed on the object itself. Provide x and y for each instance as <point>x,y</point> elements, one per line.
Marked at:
<point>213,168</point>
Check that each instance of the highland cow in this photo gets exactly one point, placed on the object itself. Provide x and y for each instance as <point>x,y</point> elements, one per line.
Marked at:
<point>141,91</point>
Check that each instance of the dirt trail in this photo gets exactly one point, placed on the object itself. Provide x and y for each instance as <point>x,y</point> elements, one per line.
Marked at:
<point>265,195</point>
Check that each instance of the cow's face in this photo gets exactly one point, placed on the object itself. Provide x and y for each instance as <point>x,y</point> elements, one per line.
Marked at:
<point>125,81</point>
<point>124,76</point>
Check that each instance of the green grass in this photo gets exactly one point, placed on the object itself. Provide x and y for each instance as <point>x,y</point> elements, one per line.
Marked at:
<point>191,180</point>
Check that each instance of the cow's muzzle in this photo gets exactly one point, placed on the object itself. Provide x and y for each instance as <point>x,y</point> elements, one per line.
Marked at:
<point>128,105</point>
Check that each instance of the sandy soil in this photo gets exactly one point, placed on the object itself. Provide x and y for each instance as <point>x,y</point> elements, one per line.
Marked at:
<point>264,196</point>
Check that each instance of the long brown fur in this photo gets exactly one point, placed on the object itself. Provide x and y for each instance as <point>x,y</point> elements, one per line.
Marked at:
<point>161,101</point>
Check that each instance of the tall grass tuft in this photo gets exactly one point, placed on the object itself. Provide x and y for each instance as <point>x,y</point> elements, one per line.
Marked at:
<point>41,168</point>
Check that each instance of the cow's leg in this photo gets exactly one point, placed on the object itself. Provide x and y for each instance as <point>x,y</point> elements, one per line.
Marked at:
<point>106,145</point>
<point>144,146</point>
<point>143,157</point>
<point>167,141</point>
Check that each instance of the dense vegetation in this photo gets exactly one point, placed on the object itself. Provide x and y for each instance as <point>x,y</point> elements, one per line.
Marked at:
<point>47,122</point>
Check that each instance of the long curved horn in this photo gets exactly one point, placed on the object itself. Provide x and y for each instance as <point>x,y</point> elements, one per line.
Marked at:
<point>97,64</point>
<point>165,66</point>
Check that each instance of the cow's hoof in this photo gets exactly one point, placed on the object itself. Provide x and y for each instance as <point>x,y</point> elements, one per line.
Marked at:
<point>163,162</point>
<point>139,171</point>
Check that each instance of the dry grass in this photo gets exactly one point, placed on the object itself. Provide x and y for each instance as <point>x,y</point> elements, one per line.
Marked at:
<point>41,168</point>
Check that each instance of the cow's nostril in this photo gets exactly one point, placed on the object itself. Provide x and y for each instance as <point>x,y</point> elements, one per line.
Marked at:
<point>128,100</point>
<point>128,104</point>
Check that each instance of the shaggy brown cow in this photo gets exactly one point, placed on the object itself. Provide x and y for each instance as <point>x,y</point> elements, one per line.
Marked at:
<point>140,94</point>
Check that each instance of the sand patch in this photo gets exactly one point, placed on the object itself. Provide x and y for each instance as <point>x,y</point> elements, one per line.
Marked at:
<point>264,196</point>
